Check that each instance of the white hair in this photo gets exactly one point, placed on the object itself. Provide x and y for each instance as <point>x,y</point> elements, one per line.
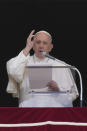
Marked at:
<point>42,31</point>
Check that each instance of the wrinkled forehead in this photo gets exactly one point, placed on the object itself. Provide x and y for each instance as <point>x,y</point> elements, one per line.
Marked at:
<point>43,34</point>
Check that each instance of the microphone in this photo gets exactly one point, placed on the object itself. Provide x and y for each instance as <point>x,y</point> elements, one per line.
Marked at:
<point>72,67</point>
<point>47,55</point>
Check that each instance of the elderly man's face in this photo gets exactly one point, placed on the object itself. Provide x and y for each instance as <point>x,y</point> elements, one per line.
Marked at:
<point>42,42</point>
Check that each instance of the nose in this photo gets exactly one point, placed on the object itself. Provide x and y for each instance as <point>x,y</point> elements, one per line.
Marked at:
<point>41,46</point>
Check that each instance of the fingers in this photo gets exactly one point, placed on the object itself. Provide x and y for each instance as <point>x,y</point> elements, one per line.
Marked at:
<point>32,32</point>
<point>52,84</point>
<point>31,35</point>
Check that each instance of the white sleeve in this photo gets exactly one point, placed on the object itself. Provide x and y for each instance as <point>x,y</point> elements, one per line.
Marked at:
<point>12,87</point>
<point>74,89</point>
<point>16,67</point>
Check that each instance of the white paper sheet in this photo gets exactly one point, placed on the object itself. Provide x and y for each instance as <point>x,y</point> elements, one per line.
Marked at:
<point>39,75</point>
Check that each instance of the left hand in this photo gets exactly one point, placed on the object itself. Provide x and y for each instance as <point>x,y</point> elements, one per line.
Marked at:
<point>53,86</point>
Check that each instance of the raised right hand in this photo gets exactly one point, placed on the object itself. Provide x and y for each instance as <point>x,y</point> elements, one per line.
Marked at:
<point>29,43</point>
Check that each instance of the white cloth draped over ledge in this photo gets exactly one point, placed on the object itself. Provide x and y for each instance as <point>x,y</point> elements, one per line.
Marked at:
<point>18,86</point>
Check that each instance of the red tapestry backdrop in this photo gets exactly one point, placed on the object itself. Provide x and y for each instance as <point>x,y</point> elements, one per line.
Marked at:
<point>43,119</point>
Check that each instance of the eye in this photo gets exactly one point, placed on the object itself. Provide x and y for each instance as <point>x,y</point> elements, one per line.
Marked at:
<point>45,43</point>
<point>38,42</point>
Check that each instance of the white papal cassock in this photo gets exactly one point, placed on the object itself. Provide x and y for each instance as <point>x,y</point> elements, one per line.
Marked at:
<point>18,85</point>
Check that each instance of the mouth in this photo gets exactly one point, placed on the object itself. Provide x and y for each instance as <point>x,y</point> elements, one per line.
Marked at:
<point>40,51</point>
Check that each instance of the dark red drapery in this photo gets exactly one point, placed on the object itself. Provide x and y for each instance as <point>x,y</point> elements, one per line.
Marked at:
<point>52,118</point>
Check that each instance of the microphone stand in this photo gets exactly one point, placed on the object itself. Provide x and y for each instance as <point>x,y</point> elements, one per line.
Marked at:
<point>81,88</point>
<point>80,78</point>
<point>72,67</point>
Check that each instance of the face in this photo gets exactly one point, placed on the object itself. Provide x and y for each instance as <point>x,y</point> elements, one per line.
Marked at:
<point>42,42</point>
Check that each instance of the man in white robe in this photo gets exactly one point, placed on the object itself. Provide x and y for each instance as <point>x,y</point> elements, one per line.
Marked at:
<point>62,79</point>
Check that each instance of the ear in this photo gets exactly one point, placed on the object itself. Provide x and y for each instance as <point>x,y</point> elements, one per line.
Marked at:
<point>51,47</point>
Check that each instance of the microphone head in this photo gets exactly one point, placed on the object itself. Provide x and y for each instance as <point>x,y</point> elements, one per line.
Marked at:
<point>43,53</point>
<point>47,55</point>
